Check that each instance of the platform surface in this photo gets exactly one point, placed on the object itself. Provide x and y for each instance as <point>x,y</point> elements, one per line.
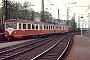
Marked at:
<point>80,49</point>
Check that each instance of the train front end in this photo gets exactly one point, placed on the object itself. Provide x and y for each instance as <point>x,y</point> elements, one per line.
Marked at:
<point>9,28</point>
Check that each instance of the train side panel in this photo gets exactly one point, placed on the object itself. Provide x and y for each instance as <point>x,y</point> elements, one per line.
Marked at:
<point>20,33</point>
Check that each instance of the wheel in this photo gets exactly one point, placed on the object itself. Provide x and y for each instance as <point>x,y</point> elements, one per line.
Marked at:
<point>23,37</point>
<point>9,38</point>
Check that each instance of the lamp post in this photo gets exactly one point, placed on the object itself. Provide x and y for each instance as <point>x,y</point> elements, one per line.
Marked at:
<point>78,23</point>
<point>67,15</point>
<point>42,10</point>
<point>81,25</point>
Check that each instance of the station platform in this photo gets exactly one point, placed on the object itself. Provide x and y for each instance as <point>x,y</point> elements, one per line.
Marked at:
<point>7,44</point>
<point>80,49</point>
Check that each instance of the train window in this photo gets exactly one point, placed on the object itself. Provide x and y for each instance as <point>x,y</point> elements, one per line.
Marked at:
<point>19,26</point>
<point>56,27</point>
<point>40,27</point>
<point>32,26</point>
<point>24,26</point>
<point>44,26</point>
<point>36,26</point>
<point>11,25</point>
<point>63,27</point>
<point>66,27</point>
<point>60,27</point>
<point>29,26</point>
<point>53,27</point>
<point>49,27</point>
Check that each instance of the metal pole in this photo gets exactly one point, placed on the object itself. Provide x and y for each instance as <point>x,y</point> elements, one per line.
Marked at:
<point>81,31</point>
<point>58,17</point>
<point>4,16</point>
<point>58,13</point>
<point>89,23</point>
<point>78,21</point>
<point>81,25</point>
<point>67,15</point>
<point>74,22</point>
<point>42,11</point>
<point>85,25</point>
<point>6,10</point>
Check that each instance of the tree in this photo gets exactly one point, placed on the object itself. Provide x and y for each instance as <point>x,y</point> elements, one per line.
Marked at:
<point>18,11</point>
<point>47,15</point>
<point>73,25</point>
<point>0,12</point>
<point>26,8</point>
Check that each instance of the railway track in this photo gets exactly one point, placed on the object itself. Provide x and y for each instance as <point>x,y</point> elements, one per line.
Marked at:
<point>21,44</point>
<point>12,52</point>
<point>56,51</point>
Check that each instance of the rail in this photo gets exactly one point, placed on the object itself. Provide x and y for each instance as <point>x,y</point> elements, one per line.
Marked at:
<point>47,49</point>
<point>53,47</point>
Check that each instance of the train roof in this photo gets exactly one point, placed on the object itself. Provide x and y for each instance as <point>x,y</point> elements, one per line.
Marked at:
<point>35,22</point>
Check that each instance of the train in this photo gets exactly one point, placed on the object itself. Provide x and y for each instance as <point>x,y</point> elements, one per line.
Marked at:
<point>22,29</point>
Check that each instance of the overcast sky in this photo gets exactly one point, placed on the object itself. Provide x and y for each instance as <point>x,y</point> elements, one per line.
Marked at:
<point>62,5</point>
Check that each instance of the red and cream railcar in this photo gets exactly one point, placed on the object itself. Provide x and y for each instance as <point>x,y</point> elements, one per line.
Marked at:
<point>21,29</point>
<point>61,28</point>
<point>46,28</point>
<point>26,28</point>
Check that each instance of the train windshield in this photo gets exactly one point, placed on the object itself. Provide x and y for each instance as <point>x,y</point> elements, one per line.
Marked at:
<point>11,25</point>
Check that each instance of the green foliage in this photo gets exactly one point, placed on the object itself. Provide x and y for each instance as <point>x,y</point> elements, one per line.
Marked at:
<point>0,12</point>
<point>46,16</point>
<point>73,25</point>
<point>16,10</point>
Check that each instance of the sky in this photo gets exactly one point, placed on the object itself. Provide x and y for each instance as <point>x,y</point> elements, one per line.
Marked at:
<point>62,5</point>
